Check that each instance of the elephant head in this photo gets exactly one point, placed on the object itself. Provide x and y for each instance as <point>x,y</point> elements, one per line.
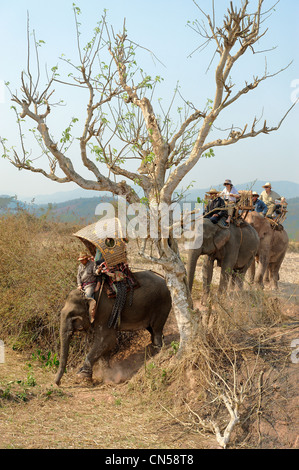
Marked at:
<point>272,249</point>
<point>261,225</point>
<point>75,316</point>
<point>214,239</point>
<point>148,308</point>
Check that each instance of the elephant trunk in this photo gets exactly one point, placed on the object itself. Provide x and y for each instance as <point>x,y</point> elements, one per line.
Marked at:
<point>191,266</point>
<point>65,339</point>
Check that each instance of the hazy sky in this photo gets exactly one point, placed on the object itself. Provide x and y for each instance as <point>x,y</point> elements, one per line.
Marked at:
<point>160,26</point>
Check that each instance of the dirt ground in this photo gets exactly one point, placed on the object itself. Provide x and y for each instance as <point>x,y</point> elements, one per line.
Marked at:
<point>111,415</point>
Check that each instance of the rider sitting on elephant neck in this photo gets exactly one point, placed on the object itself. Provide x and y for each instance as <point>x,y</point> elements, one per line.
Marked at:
<point>215,209</point>
<point>86,276</point>
<point>272,200</point>
<point>231,195</point>
<point>258,205</point>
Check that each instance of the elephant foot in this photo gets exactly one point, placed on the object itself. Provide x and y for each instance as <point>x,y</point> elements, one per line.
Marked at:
<point>84,375</point>
<point>274,287</point>
<point>259,285</point>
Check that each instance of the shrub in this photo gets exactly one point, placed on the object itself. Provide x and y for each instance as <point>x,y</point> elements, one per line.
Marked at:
<point>293,246</point>
<point>38,262</point>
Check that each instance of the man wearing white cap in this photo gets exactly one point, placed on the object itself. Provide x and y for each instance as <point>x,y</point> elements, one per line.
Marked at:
<point>230,195</point>
<point>268,196</point>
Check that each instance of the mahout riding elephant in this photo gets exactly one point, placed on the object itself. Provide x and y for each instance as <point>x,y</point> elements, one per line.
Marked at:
<point>148,308</point>
<point>272,250</point>
<point>234,248</point>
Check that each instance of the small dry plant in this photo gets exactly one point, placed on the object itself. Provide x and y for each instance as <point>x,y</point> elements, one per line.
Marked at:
<point>293,246</point>
<point>219,382</point>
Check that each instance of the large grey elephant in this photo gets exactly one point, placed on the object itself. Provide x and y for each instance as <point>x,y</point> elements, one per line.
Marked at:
<point>271,252</point>
<point>149,309</point>
<point>234,248</point>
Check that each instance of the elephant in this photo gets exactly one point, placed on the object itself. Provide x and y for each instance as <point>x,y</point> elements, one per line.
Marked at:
<point>148,308</point>
<point>234,248</point>
<point>271,252</point>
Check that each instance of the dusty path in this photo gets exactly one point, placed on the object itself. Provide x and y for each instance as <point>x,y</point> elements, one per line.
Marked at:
<point>74,415</point>
<point>40,415</point>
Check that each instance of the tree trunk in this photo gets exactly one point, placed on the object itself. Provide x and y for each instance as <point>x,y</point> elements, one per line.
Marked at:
<point>176,280</point>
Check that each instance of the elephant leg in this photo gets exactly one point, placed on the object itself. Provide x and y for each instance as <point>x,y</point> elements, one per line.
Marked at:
<point>191,267</point>
<point>225,277</point>
<point>241,273</point>
<point>271,275</point>
<point>267,275</point>
<point>227,264</point>
<point>156,336</point>
<point>274,273</point>
<point>262,266</point>
<point>104,342</point>
<point>237,279</point>
<point>207,276</point>
<point>274,278</point>
<point>226,274</point>
<point>276,269</point>
<point>233,280</point>
<point>251,272</point>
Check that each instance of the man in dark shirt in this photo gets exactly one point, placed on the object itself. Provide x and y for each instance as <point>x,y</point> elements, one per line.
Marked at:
<point>259,205</point>
<point>215,209</point>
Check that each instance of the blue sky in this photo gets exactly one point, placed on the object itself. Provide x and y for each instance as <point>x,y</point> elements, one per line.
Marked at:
<point>161,27</point>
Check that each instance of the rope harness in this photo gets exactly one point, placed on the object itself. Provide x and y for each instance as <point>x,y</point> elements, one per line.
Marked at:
<point>120,300</point>
<point>119,289</point>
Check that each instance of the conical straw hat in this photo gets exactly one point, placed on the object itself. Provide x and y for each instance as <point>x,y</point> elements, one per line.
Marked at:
<point>95,236</point>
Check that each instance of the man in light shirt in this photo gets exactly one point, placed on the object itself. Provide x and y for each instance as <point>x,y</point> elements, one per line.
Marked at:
<point>230,195</point>
<point>271,199</point>
<point>86,275</point>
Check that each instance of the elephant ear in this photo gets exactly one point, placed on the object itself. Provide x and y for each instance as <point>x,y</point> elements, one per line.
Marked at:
<point>92,305</point>
<point>221,238</point>
<point>262,226</point>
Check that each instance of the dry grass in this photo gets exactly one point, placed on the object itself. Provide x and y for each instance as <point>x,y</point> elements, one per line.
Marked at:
<point>293,247</point>
<point>38,263</point>
<point>226,359</point>
<point>241,351</point>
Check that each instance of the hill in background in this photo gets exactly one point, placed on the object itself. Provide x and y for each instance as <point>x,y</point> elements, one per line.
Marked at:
<point>288,189</point>
<point>291,223</point>
<point>82,209</point>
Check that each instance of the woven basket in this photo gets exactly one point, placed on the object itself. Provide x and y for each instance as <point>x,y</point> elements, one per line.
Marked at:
<point>95,236</point>
<point>245,201</point>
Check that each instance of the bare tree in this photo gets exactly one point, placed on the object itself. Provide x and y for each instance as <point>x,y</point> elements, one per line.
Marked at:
<point>121,126</point>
